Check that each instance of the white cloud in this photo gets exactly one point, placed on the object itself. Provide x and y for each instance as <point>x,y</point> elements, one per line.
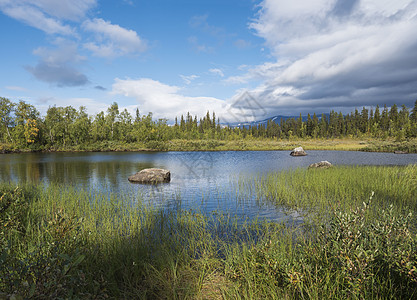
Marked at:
<point>36,18</point>
<point>165,101</point>
<point>217,72</point>
<point>112,40</point>
<point>188,79</point>
<point>72,10</point>
<point>336,53</point>
<point>47,15</point>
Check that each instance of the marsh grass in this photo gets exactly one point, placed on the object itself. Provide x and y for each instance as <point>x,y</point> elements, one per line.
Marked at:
<point>246,144</point>
<point>340,188</point>
<point>408,146</point>
<point>357,241</point>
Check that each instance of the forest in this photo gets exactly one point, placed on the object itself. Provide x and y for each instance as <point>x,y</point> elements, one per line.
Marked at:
<point>23,127</point>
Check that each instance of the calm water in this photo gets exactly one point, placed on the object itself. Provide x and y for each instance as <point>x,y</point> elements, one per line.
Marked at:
<point>202,180</point>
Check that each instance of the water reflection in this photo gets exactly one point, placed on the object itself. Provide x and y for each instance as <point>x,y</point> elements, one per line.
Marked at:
<point>202,180</point>
<point>70,169</point>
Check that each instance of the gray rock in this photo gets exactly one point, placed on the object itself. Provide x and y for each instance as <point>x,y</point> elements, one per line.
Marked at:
<point>400,152</point>
<point>324,164</point>
<point>151,176</point>
<point>299,151</point>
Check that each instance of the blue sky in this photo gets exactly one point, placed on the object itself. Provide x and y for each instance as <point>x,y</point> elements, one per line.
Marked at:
<point>244,59</point>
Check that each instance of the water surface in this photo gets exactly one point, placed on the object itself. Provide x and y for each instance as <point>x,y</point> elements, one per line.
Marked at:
<point>200,180</point>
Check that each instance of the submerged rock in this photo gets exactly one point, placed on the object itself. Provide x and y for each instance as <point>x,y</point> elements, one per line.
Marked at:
<point>324,164</point>
<point>151,176</point>
<point>299,151</point>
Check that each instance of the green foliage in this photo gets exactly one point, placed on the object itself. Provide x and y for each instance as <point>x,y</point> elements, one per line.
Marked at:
<point>315,190</point>
<point>58,242</point>
<point>349,255</point>
<point>23,128</point>
<point>37,266</point>
<point>368,252</point>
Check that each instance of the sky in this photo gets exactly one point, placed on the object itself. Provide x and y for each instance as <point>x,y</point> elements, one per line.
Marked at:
<point>243,59</point>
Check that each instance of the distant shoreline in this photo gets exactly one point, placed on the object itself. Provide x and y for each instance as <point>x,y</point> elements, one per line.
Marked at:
<point>368,145</point>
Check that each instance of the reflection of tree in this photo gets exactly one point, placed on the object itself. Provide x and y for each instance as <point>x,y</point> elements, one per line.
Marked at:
<point>73,169</point>
<point>113,173</point>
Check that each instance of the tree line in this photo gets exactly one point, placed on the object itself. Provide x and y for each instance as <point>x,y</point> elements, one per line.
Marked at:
<point>22,126</point>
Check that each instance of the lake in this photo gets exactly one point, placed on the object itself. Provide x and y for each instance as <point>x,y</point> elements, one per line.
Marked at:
<point>205,181</point>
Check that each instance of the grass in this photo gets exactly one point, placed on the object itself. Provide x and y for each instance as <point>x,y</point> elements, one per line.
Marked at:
<point>266,144</point>
<point>409,146</point>
<point>357,241</point>
<point>337,188</point>
<point>345,144</point>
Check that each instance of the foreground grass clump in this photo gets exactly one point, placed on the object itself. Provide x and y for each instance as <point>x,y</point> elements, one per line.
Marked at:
<point>337,188</point>
<point>58,242</point>
<point>351,256</point>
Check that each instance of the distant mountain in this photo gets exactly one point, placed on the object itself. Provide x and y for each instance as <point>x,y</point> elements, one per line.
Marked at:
<point>276,119</point>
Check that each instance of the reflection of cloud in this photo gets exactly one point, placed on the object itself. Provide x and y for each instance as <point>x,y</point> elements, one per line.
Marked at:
<point>335,53</point>
<point>198,164</point>
<point>112,40</point>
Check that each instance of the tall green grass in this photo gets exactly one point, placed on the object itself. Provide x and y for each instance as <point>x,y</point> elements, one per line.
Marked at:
<point>59,242</point>
<point>337,188</point>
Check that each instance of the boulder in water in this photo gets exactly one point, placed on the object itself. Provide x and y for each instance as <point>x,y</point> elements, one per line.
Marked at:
<point>299,151</point>
<point>324,164</point>
<point>151,176</point>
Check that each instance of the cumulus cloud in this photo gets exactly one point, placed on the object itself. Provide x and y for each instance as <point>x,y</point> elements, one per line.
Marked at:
<point>165,101</point>
<point>112,40</point>
<point>168,101</point>
<point>335,53</point>
<point>56,66</point>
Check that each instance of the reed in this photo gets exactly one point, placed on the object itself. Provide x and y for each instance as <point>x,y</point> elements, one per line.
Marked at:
<point>336,188</point>
<point>357,240</point>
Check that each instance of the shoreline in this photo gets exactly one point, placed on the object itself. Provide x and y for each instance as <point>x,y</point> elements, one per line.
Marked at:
<point>371,145</point>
